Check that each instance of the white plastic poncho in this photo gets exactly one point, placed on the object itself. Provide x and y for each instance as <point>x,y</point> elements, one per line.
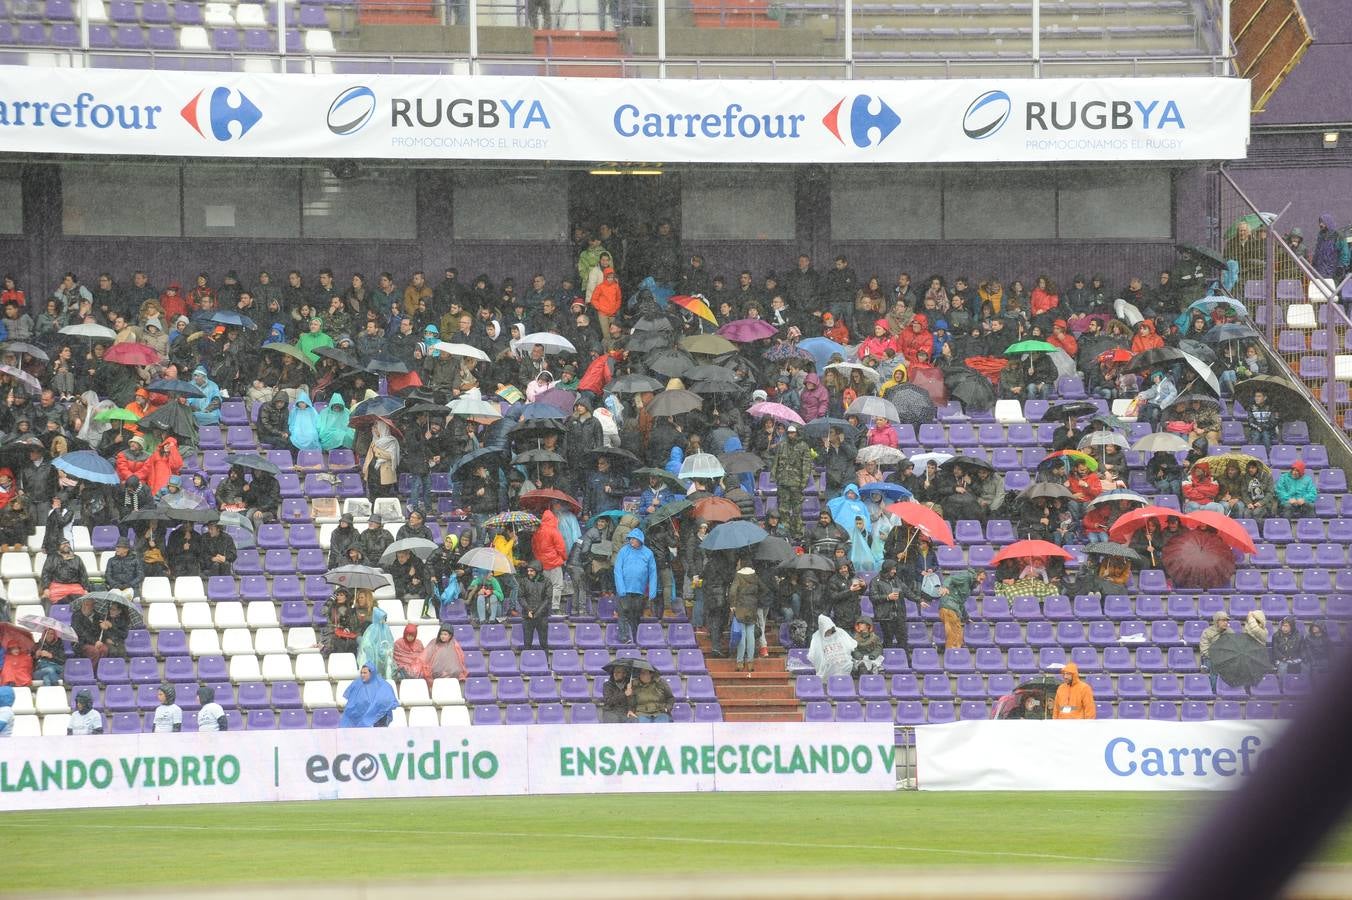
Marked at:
<point>830,653</point>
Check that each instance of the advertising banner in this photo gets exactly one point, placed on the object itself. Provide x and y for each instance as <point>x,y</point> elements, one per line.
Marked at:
<point>1102,755</point>
<point>252,766</point>
<point>148,113</point>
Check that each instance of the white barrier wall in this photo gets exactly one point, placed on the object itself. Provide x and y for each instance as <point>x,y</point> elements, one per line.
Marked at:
<point>1101,755</point>
<point>341,764</point>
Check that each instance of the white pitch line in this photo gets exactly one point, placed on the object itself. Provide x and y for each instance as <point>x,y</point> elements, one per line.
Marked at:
<point>30,821</point>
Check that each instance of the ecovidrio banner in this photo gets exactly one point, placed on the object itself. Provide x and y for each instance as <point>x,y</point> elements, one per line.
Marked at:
<point>250,766</point>
<point>1101,755</point>
<point>148,113</point>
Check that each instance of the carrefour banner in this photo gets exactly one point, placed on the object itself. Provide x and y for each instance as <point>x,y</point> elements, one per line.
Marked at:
<point>253,766</point>
<point>109,111</point>
<point>1103,755</point>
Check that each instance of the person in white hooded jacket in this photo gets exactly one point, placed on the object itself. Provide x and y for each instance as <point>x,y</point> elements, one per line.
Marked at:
<point>830,649</point>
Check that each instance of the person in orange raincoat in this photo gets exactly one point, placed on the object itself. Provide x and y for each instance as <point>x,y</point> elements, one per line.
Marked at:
<point>1146,338</point>
<point>607,299</point>
<point>1074,698</point>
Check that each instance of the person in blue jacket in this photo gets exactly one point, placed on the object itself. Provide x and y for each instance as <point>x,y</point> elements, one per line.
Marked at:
<point>635,582</point>
<point>1296,492</point>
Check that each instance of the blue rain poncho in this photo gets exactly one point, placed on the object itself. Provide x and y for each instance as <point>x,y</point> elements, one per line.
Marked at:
<point>368,702</point>
<point>334,431</point>
<point>303,423</point>
<point>376,647</point>
<point>845,508</point>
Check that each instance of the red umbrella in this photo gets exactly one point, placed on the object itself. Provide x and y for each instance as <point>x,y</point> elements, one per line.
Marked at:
<point>1132,522</point>
<point>1116,355</point>
<point>1231,531</point>
<point>746,331</point>
<point>1199,559</point>
<point>545,496</point>
<point>132,354</point>
<point>697,306</point>
<point>923,519</point>
<point>13,634</point>
<point>716,509</point>
<point>1024,549</point>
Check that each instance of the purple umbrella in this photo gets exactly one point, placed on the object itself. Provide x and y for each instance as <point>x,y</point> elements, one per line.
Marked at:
<point>559,398</point>
<point>746,331</point>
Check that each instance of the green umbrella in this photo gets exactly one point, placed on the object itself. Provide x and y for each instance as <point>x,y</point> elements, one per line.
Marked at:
<point>1030,347</point>
<point>662,475</point>
<point>290,350</point>
<point>669,511</point>
<point>1239,659</point>
<point>117,415</point>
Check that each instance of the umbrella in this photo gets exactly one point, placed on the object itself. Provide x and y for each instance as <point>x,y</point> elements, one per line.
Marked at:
<point>701,465</point>
<point>546,340</point>
<point>822,349</point>
<point>746,331</point>
<point>867,407</point>
<point>652,323</point>
<point>1127,312</point>
<point>671,363</point>
<point>538,410</point>
<point>537,429</point>
<point>634,384</point>
<point>426,406</point>
<point>1206,304</point>
<point>26,349</point>
<point>13,634</point>
<point>639,664</point>
<point>734,536</point>
<point>104,599</point>
<point>880,454</point>
<point>1280,393</point>
<point>1115,551</point>
<point>290,350</point>
<point>913,404</point>
<point>1072,456</point>
<point>232,318</point>
<point>1239,659</point>
<point>419,547</point>
<point>774,550</point>
<point>717,509</point>
<point>1132,522</point>
<point>648,341</point>
<point>1160,442</point>
<point>709,344</point>
<point>491,457</point>
<point>709,372</point>
<point>87,465</point>
<point>669,511</point>
<point>695,305</point>
<point>1203,372</point>
<point>132,354</point>
<point>922,460</point>
<point>558,398</point>
<point>1160,357</point>
<point>847,367</point>
<point>175,386</point>
<point>1228,332</point>
<point>708,388</point>
<point>1221,460</point>
<point>662,475</point>
<point>357,577</point>
<point>93,332</point>
<point>1231,532</point>
<point>977,462</point>
<point>741,463</point>
<point>173,513</point>
<point>924,520</point>
<point>1199,350</point>
<point>1118,496</point>
<point>889,489</point>
<point>777,411</point>
<point>173,418</point>
<point>341,357</point>
<point>623,662</point>
<point>613,514</point>
<point>378,365</point>
<point>543,497</point>
<point>465,350</point>
<point>1045,490</point>
<point>818,428</point>
<point>1030,347</point>
<point>973,391</point>
<point>1114,356</point>
<point>378,406</point>
<point>675,402</point>
<point>1182,399</point>
<point>618,455</point>
<point>1198,559</point>
<point>1103,439</point>
<point>537,456</point>
<point>475,408</point>
<point>1024,549</point>
<point>42,623</point>
<point>809,562</point>
<point>1201,254</point>
<point>23,378</point>
<point>117,414</point>
<point>253,461</point>
<point>488,559</point>
<point>1074,409</point>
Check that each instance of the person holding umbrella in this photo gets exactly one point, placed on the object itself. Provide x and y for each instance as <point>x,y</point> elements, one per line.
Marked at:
<point>635,582</point>
<point>1263,423</point>
<point>216,550</point>
<point>1220,624</point>
<point>651,698</point>
<point>617,693</point>
<point>49,658</point>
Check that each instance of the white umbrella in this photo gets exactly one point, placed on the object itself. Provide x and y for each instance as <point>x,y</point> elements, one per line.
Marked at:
<point>552,343</point>
<point>701,465</point>
<point>474,408</point>
<point>419,547</point>
<point>922,459</point>
<point>1114,496</point>
<point>1160,442</point>
<point>461,350</point>
<point>1127,312</point>
<point>873,408</point>
<point>881,454</point>
<point>94,332</point>
<point>868,372</point>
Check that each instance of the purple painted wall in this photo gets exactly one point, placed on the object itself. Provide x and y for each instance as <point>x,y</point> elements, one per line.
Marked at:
<point>1310,191</point>
<point>1319,89</point>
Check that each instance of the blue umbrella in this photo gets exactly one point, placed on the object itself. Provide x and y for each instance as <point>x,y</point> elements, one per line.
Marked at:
<point>661,292</point>
<point>378,406</point>
<point>230,317</point>
<point>888,489</point>
<point>175,386</point>
<point>608,514</point>
<point>541,411</point>
<point>1209,302</point>
<point>734,536</point>
<point>822,349</point>
<point>87,466</point>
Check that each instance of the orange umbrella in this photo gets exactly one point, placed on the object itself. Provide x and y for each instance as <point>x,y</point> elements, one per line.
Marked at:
<point>1230,530</point>
<point>716,509</point>
<point>696,306</point>
<point>924,520</point>
<point>1024,549</point>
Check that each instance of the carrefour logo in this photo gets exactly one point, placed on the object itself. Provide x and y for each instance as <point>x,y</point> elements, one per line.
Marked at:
<point>987,115</point>
<point>351,110</point>
<point>863,120</point>
<point>220,113</point>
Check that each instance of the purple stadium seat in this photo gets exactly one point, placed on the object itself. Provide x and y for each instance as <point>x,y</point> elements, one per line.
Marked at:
<point>1022,661</point>
<point>171,642</point>
<point>254,695</point>
<point>941,711</point>
<point>1164,711</point>
<point>840,687</point>
<point>818,711</point>
<point>690,662</point>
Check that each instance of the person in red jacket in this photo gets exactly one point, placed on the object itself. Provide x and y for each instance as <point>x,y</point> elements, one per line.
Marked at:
<point>599,372</point>
<point>1061,337</point>
<point>606,300</point>
<point>1044,298</point>
<point>914,338</point>
<point>173,303</point>
<point>1084,486</point>
<point>881,345</point>
<point>163,463</point>
<point>133,460</point>
<point>1146,338</point>
<point>1200,490</point>
<point>552,552</point>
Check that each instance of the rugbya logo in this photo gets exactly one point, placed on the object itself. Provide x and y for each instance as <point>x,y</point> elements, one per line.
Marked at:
<point>863,121</point>
<point>220,113</point>
<point>987,115</point>
<point>351,110</point>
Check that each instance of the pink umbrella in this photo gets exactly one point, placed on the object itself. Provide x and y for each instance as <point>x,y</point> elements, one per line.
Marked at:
<point>775,411</point>
<point>746,331</point>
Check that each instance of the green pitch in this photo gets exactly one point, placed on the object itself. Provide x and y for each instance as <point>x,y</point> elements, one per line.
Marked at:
<point>236,844</point>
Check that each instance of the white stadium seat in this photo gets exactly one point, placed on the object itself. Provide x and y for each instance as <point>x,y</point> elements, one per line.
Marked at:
<point>23,701</point>
<point>245,668</point>
<point>52,700</point>
<point>161,616</point>
<point>310,667</point>
<point>204,642</point>
<point>302,641</point>
<point>423,717</point>
<point>26,726</point>
<point>277,667</point>
<point>237,642</point>
<point>156,588</point>
<point>196,615</point>
<point>230,614</point>
<point>1008,412</point>
<point>447,692</point>
<point>261,614</point>
<point>188,588</point>
<point>319,41</point>
<point>55,725</point>
<point>269,640</point>
<point>342,666</point>
<point>317,695</point>
<point>455,717</point>
<point>413,692</point>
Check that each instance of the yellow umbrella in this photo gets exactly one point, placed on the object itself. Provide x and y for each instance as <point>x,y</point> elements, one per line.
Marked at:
<point>708,344</point>
<point>697,306</point>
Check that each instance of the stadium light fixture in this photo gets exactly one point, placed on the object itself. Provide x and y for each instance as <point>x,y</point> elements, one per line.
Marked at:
<point>606,172</point>
<point>1330,140</point>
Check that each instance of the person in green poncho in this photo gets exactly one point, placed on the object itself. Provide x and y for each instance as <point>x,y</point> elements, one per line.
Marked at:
<point>334,431</point>
<point>313,338</point>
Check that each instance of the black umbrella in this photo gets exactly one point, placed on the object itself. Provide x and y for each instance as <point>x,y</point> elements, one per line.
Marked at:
<point>434,409</point>
<point>498,434</point>
<point>1044,490</point>
<point>1115,551</point>
<point>818,428</point>
<point>969,462</point>
<point>1280,393</point>
<point>648,341</point>
<point>378,406</point>
<point>1154,359</point>
<point>914,406</point>
<point>341,357</point>
<point>809,562</point>
<point>537,429</point>
<point>175,386</point>
<point>774,550</point>
<point>1203,255</point>
<point>484,456</point>
<point>741,463</point>
<point>378,365</point>
<point>674,402</point>
<point>671,363</point>
<point>1239,659</point>
<point>15,453</point>
<point>1229,332</point>
<point>174,418</point>
<point>707,372</point>
<point>659,323</point>
<point>1073,409</point>
<point>973,390</point>
<point>662,475</point>
<point>536,456</point>
<point>1199,350</point>
<point>635,384</point>
<point>623,662</point>
<point>709,388</point>
<point>253,461</point>
<point>615,454</point>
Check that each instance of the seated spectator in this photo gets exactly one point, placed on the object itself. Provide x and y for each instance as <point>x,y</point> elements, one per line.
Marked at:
<point>1296,492</point>
<point>376,646</point>
<point>1288,648</point>
<point>1317,650</point>
<point>18,666</point>
<point>411,580</point>
<point>831,651</point>
<point>408,655</point>
<point>1201,491</point>
<point>1262,424</point>
<point>63,575</point>
<point>652,697</point>
<point>1074,697</point>
<point>1255,626</point>
<point>49,658</point>
<point>168,715</point>
<point>1220,624</point>
<point>1150,404</point>
<point>124,571</point>
<point>445,658</point>
<point>211,717</point>
<point>340,624</point>
<point>86,719</point>
<point>868,649</point>
<point>371,701</point>
<point>617,694</point>
<point>216,550</point>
